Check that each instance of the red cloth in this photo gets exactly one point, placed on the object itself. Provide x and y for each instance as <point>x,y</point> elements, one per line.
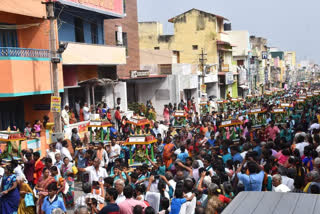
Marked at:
<point>37,171</point>
<point>118,115</point>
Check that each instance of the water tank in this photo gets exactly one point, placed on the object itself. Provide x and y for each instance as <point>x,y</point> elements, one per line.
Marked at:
<point>227,26</point>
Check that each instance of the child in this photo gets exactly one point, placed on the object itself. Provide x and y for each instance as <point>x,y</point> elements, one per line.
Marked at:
<point>98,192</point>
<point>52,201</point>
<point>178,201</point>
<point>140,191</point>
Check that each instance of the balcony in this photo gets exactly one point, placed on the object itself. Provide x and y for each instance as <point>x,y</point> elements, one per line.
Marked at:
<point>88,54</point>
<point>225,37</point>
<point>24,52</point>
<point>25,71</point>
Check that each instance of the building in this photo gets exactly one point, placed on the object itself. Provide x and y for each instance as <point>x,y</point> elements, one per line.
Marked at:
<point>89,63</point>
<point>240,54</point>
<point>259,64</point>
<point>194,31</point>
<point>277,67</point>
<point>290,63</point>
<point>178,80</point>
<point>25,85</point>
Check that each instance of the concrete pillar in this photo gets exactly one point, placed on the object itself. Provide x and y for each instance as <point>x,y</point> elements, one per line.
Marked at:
<point>65,97</point>
<point>88,99</point>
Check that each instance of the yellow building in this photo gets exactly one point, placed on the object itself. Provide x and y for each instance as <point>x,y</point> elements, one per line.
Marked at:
<point>194,30</point>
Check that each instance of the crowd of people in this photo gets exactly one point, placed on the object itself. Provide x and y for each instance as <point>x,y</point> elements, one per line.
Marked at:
<point>197,169</point>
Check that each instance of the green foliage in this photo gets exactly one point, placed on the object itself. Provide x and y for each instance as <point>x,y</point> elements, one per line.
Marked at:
<point>139,108</point>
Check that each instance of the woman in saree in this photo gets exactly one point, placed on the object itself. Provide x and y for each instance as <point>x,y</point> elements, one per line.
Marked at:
<point>9,199</point>
<point>24,189</point>
<point>67,174</point>
<point>42,187</point>
<point>168,150</point>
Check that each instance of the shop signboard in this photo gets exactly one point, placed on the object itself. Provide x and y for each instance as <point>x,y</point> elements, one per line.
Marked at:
<point>225,68</point>
<point>55,104</point>
<point>229,78</point>
<point>203,88</point>
<point>137,74</point>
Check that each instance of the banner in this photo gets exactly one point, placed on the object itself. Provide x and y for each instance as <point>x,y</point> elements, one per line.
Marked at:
<point>55,104</point>
<point>203,88</point>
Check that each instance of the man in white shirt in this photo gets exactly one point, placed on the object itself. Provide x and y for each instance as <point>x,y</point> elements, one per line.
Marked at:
<point>65,151</point>
<point>96,173</point>
<point>65,115</point>
<point>190,206</point>
<point>52,151</point>
<point>1,173</point>
<point>86,112</point>
<point>102,155</point>
<point>119,185</point>
<point>314,125</point>
<point>277,184</point>
<point>301,144</point>
<point>114,151</point>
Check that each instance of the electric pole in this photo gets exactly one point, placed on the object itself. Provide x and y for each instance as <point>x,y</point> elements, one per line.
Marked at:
<point>202,60</point>
<point>54,62</point>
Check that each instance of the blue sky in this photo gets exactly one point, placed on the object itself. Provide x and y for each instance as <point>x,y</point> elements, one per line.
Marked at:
<point>287,24</point>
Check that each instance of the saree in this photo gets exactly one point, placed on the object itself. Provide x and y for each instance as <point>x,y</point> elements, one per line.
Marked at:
<point>42,194</point>
<point>69,196</point>
<point>22,204</point>
<point>9,203</point>
<point>167,154</point>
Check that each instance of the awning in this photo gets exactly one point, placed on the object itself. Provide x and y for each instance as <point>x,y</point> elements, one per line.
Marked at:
<point>224,73</point>
<point>148,77</point>
<point>244,87</point>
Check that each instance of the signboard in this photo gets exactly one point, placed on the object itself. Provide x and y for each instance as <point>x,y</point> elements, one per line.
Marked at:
<point>255,110</point>
<point>203,88</point>
<point>82,128</point>
<point>4,136</point>
<point>55,104</point>
<point>229,78</point>
<point>137,139</point>
<point>34,144</point>
<point>300,100</point>
<point>223,123</point>
<point>225,68</point>
<point>137,74</point>
<point>278,110</point>
<point>303,97</point>
<point>107,7</point>
<point>95,123</point>
<point>285,104</point>
<point>264,55</point>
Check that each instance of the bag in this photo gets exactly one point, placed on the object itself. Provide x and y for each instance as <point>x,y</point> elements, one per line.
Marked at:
<point>74,170</point>
<point>28,199</point>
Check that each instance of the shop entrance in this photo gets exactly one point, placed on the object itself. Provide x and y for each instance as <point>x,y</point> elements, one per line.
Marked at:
<point>12,114</point>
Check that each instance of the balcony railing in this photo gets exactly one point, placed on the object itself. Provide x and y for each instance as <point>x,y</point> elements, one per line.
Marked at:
<point>24,52</point>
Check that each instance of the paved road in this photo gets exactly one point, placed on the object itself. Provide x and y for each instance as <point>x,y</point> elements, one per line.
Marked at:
<point>77,193</point>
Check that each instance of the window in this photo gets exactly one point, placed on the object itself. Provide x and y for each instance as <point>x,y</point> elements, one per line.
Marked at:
<point>94,33</point>
<point>78,29</point>
<point>194,47</point>
<point>8,38</point>
<point>157,48</point>
<point>125,41</point>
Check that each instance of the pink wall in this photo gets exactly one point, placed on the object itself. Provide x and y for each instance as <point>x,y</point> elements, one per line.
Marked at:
<point>114,6</point>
